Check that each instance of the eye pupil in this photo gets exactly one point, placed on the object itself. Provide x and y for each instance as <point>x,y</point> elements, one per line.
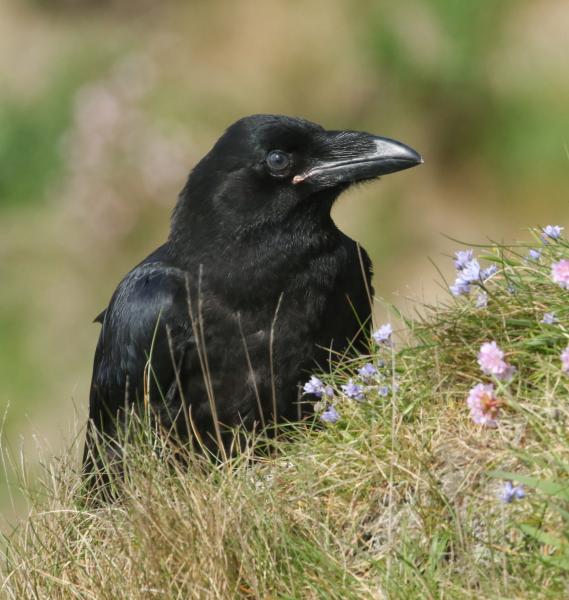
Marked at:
<point>277,160</point>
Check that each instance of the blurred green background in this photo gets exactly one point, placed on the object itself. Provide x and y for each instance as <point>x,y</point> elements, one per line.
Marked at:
<point>106,105</point>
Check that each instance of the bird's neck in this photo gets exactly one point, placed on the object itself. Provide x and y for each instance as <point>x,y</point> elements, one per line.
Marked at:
<point>206,237</point>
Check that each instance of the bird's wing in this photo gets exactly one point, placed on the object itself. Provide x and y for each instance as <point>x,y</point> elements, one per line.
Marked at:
<point>145,333</point>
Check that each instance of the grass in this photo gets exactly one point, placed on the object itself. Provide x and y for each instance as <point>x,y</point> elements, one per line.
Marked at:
<point>397,499</point>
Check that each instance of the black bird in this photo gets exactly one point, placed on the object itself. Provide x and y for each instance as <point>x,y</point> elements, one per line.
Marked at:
<point>254,288</point>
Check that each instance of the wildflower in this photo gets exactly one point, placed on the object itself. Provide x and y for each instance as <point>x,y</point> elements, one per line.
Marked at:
<point>383,334</point>
<point>329,391</point>
<point>551,231</point>
<point>383,390</point>
<point>368,371</point>
<point>549,319</point>
<point>482,300</point>
<point>460,287</point>
<point>491,361</point>
<point>314,386</point>
<point>353,390</point>
<point>483,405</point>
<point>560,273</point>
<point>565,360</point>
<point>510,492</point>
<point>463,257</point>
<point>330,415</point>
<point>471,271</point>
<point>534,255</point>
<point>488,272</point>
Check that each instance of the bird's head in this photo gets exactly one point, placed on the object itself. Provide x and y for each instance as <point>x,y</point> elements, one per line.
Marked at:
<point>266,168</point>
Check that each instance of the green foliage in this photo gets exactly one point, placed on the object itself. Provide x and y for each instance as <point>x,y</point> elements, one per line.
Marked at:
<point>511,128</point>
<point>31,135</point>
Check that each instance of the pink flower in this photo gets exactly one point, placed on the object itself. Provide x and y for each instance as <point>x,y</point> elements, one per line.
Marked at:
<point>483,405</point>
<point>491,361</point>
<point>565,360</point>
<point>560,273</point>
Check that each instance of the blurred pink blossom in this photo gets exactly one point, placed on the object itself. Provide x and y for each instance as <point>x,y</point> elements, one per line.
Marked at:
<point>560,273</point>
<point>119,162</point>
<point>565,360</point>
<point>491,361</point>
<point>483,404</point>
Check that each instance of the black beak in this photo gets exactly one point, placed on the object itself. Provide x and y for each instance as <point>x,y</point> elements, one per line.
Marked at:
<point>350,156</point>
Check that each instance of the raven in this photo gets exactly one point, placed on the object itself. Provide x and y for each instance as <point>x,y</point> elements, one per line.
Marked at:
<point>254,288</point>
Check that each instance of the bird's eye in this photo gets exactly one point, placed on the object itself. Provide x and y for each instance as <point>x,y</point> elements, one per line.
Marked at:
<point>278,161</point>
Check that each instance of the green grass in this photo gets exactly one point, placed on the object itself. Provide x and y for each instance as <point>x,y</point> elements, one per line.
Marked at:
<point>397,499</point>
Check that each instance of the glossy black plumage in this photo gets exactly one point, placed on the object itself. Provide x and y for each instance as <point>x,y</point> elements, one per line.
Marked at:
<point>245,239</point>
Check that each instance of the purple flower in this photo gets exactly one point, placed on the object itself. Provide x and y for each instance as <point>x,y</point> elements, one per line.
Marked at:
<point>534,254</point>
<point>551,231</point>
<point>488,272</point>
<point>549,319</point>
<point>330,415</point>
<point>463,257</point>
<point>460,287</point>
<point>383,390</point>
<point>510,492</point>
<point>565,360</point>
<point>560,273</point>
<point>482,300</point>
<point>314,386</point>
<point>471,271</point>
<point>353,390</point>
<point>491,361</point>
<point>383,334</point>
<point>368,371</point>
<point>483,405</point>
<point>329,391</point>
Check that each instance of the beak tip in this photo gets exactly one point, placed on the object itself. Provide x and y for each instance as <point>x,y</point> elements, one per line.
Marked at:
<point>413,156</point>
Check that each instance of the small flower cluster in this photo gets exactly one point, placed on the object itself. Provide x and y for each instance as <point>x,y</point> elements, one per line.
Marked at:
<point>534,254</point>
<point>491,361</point>
<point>559,269</point>
<point>315,387</point>
<point>468,273</point>
<point>549,319</point>
<point>369,379</point>
<point>325,393</point>
<point>560,273</point>
<point>482,401</point>
<point>483,404</point>
<point>354,391</point>
<point>551,232</point>
<point>482,300</point>
<point>383,334</point>
<point>510,492</point>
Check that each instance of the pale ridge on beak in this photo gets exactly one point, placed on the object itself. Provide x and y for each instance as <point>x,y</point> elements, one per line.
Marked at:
<point>354,156</point>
